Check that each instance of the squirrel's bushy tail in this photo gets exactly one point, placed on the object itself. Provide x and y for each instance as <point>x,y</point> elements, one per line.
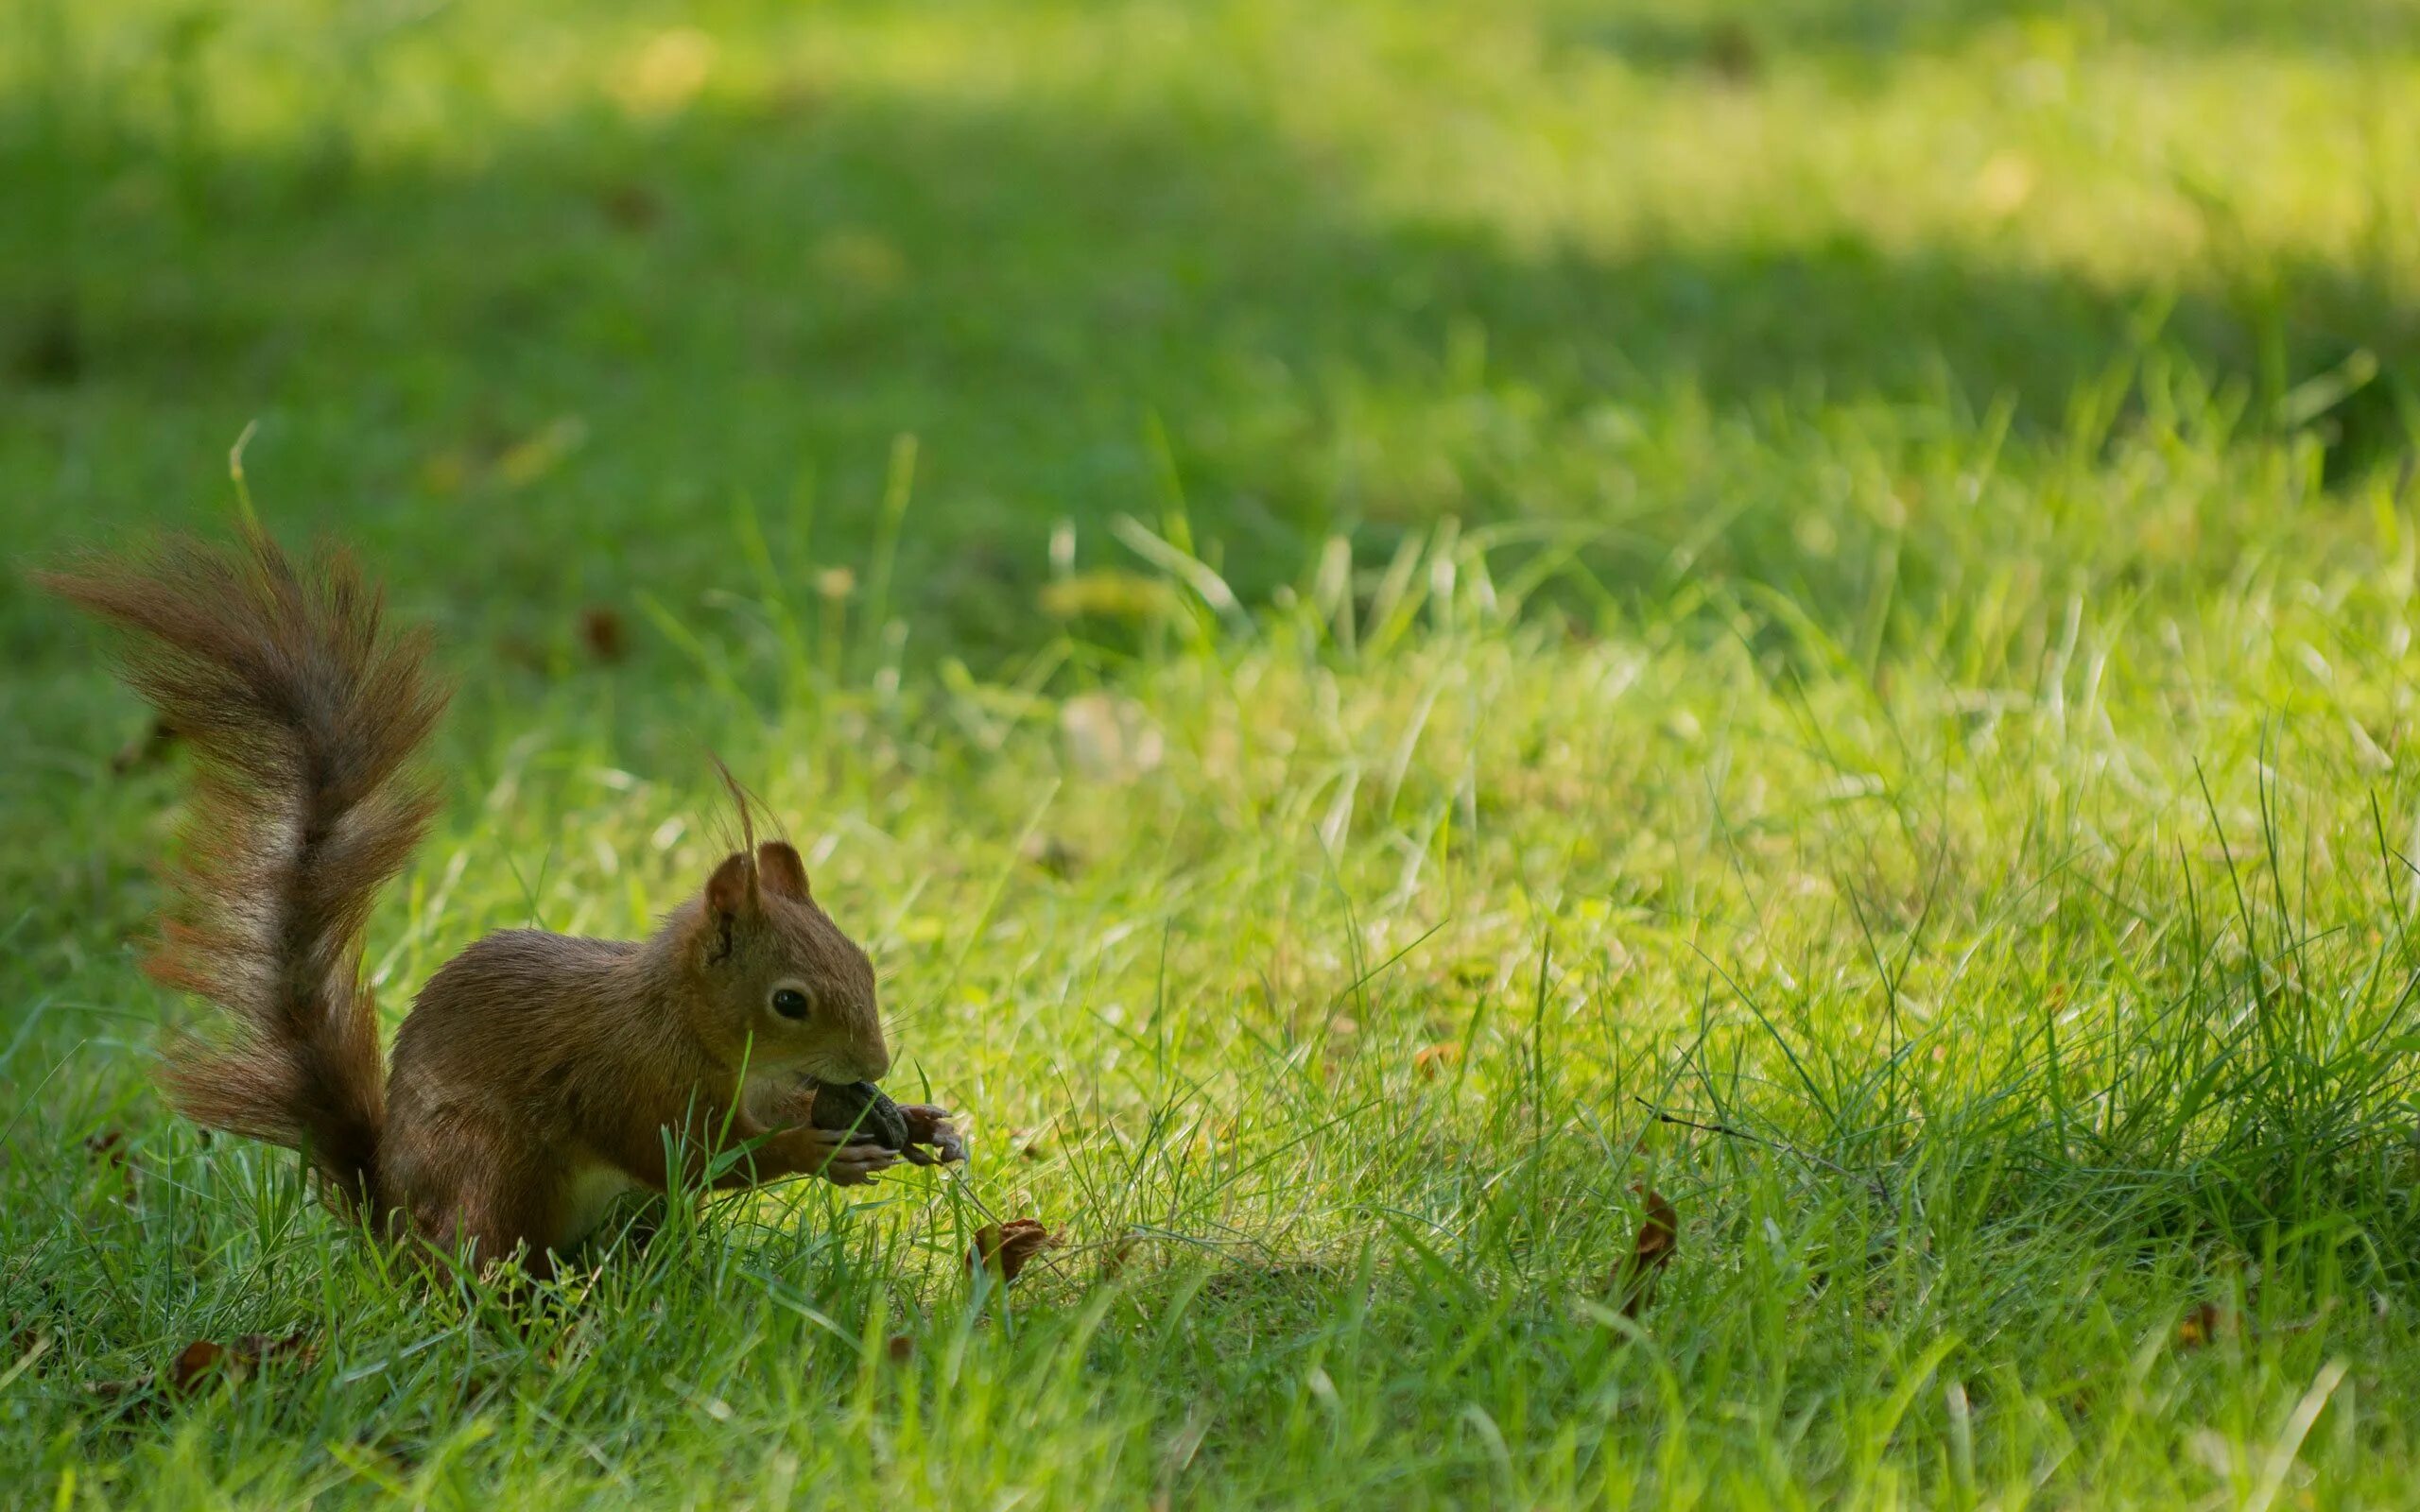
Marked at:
<point>303,713</point>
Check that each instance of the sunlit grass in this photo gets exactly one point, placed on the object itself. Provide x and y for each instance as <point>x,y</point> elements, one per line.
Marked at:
<point>2046,1045</point>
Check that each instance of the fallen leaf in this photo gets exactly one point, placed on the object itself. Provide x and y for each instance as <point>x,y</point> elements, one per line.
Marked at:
<point>2203,1324</point>
<point>1434,1061</point>
<point>1659,1235</point>
<point>601,633</point>
<point>1007,1247</point>
<point>197,1360</point>
<point>205,1358</point>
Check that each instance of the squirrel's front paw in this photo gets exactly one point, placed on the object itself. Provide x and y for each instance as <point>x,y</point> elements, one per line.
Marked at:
<point>928,1128</point>
<point>832,1155</point>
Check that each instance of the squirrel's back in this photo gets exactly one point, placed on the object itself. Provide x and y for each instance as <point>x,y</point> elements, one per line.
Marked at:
<point>302,715</point>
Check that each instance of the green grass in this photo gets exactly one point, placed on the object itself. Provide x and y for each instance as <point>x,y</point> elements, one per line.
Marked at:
<point>1840,571</point>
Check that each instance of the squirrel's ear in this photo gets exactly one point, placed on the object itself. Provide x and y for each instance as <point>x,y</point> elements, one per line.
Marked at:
<point>785,874</point>
<point>730,892</point>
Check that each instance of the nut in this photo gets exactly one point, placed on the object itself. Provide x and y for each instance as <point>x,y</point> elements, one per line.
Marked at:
<point>860,1105</point>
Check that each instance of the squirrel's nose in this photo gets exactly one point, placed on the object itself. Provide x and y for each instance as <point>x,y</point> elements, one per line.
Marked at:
<point>874,1062</point>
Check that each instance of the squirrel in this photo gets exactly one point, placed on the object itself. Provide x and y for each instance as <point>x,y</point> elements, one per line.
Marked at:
<point>537,1075</point>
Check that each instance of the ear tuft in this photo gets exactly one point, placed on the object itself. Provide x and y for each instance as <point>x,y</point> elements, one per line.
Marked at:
<point>785,874</point>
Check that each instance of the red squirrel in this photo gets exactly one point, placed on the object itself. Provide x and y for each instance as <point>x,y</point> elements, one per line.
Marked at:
<point>537,1075</point>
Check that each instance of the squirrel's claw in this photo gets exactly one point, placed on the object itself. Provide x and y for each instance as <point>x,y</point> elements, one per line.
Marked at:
<point>854,1164</point>
<point>929,1128</point>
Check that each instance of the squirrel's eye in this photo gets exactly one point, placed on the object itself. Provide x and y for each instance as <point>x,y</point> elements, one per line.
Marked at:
<point>790,1003</point>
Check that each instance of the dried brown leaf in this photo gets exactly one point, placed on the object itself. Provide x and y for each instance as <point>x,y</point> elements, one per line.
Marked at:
<point>601,633</point>
<point>203,1359</point>
<point>2206,1324</point>
<point>195,1361</point>
<point>1007,1249</point>
<point>1659,1235</point>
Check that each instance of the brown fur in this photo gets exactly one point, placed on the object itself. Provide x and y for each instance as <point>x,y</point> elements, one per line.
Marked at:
<point>534,1070</point>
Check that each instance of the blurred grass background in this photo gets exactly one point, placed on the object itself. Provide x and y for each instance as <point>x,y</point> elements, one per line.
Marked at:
<point>1339,592</point>
<point>1841,300</point>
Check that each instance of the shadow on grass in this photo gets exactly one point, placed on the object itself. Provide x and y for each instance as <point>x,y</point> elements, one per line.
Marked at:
<point>1731,39</point>
<point>547,377</point>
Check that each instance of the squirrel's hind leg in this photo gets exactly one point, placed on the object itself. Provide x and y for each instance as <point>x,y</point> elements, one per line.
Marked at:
<point>487,1199</point>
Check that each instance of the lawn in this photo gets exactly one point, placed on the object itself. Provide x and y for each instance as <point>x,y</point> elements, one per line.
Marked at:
<point>1398,625</point>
